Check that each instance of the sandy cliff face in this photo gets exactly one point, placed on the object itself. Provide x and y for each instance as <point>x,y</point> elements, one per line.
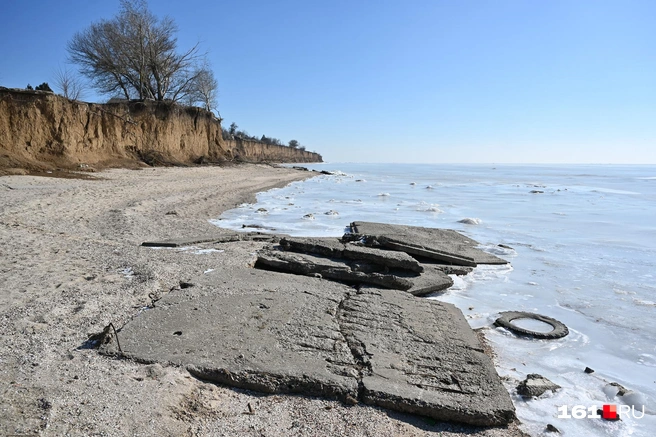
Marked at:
<point>41,130</point>
<point>254,151</point>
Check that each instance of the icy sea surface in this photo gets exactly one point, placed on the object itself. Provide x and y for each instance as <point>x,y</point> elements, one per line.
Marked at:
<point>582,248</point>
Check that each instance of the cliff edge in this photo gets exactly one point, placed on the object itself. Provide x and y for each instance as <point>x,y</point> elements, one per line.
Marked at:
<point>42,131</point>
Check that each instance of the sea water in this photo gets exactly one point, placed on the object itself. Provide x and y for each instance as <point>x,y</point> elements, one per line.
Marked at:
<point>581,242</point>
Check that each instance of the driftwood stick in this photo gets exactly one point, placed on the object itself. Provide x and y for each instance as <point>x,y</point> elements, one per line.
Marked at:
<point>116,336</point>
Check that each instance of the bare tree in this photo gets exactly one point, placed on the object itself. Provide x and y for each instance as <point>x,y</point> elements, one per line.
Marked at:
<point>135,54</point>
<point>69,84</point>
<point>204,89</point>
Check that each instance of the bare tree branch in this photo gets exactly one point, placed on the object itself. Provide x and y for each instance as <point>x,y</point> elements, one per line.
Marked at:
<point>69,84</point>
<point>135,53</point>
<point>205,88</point>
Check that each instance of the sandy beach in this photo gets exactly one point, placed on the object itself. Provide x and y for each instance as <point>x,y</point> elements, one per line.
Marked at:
<point>71,263</point>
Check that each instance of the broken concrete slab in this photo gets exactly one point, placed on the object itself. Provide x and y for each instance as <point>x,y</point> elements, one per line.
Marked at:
<point>259,236</point>
<point>449,269</point>
<point>262,331</point>
<point>181,242</point>
<point>387,258</point>
<point>434,277</point>
<point>334,248</point>
<point>259,331</point>
<point>432,280</point>
<point>421,357</point>
<point>432,253</point>
<point>229,238</point>
<point>444,245</point>
<point>327,246</point>
<point>311,265</point>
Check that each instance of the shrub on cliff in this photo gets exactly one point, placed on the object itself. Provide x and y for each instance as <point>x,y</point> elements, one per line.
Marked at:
<point>232,132</point>
<point>226,135</point>
<point>43,87</point>
<point>270,140</point>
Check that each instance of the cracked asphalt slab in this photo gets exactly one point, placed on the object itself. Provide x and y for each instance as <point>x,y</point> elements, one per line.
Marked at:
<point>277,333</point>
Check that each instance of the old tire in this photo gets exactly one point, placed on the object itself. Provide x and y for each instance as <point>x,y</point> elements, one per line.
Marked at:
<point>559,329</point>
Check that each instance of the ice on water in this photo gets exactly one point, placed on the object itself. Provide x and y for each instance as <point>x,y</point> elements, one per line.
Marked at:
<point>582,243</point>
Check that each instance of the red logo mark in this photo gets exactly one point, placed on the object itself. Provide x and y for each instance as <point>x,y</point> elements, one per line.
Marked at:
<point>609,412</point>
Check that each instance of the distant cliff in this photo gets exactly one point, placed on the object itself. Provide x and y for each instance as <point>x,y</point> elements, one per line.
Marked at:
<point>256,151</point>
<point>41,130</point>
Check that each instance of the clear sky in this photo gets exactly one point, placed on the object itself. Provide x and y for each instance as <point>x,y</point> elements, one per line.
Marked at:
<point>520,81</point>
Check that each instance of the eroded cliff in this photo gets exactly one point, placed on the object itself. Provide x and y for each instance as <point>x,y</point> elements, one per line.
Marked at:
<point>40,130</point>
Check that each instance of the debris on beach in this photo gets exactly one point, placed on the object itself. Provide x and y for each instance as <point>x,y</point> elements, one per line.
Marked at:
<point>309,265</point>
<point>535,385</point>
<point>357,263</point>
<point>336,318</point>
<point>507,320</point>
<point>441,245</point>
<point>259,330</point>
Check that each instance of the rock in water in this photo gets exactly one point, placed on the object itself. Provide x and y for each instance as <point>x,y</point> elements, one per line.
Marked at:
<point>471,221</point>
<point>535,385</point>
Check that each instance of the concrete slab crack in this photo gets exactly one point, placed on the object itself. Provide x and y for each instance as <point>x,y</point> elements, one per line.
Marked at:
<point>358,348</point>
<point>319,338</point>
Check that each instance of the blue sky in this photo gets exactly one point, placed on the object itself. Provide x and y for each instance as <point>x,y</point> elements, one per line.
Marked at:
<point>390,81</point>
